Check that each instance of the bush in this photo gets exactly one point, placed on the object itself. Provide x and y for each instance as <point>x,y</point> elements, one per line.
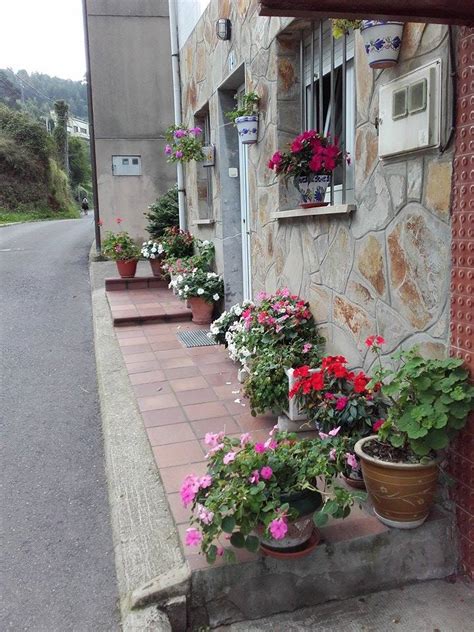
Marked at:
<point>79,163</point>
<point>163,213</point>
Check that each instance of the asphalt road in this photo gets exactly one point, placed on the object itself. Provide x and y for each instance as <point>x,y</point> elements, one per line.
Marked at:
<point>57,568</point>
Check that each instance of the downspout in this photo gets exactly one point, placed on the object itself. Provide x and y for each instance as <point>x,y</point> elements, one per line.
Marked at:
<point>177,106</point>
<point>95,190</point>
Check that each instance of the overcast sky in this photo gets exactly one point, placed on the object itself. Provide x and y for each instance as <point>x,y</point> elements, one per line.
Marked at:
<point>43,36</point>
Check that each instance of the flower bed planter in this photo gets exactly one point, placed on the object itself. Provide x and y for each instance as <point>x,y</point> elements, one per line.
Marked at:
<point>312,189</point>
<point>294,412</point>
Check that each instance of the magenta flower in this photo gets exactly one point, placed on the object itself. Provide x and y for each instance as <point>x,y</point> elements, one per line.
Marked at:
<point>204,514</point>
<point>270,444</point>
<point>168,150</point>
<point>245,438</point>
<point>341,403</point>
<point>179,154</point>
<point>307,347</point>
<point>352,461</point>
<point>193,537</point>
<point>278,528</point>
<point>196,131</point>
<point>229,457</point>
<point>334,431</point>
<point>266,473</point>
<point>255,477</point>
<point>189,489</point>
<point>259,448</point>
<point>329,396</point>
<point>205,481</point>
<point>179,133</point>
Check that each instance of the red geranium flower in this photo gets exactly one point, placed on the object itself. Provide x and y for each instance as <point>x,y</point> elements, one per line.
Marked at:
<point>378,424</point>
<point>360,382</point>
<point>374,341</point>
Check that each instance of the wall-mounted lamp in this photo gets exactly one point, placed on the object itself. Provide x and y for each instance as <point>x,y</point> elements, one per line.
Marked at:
<point>223,28</point>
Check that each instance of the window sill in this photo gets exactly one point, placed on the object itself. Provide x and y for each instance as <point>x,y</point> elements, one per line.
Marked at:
<point>337,209</point>
<point>203,222</point>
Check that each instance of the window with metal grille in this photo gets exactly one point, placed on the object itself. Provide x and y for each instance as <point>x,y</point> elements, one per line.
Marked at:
<point>328,97</point>
<point>204,174</point>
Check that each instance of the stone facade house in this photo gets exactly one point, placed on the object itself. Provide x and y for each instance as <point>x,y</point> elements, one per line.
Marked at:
<point>385,256</point>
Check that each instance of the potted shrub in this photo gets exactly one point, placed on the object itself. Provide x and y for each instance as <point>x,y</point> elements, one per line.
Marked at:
<point>430,401</point>
<point>382,40</point>
<point>265,494</point>
<point>333,398</point>
<point>176,244</point>
<point>202,290</point>
<point>245,117</point>
<point>309,163</point>
<point>123,250</point>
<point>153,251</point>
<point>183,144</point>
<point>162,214</point>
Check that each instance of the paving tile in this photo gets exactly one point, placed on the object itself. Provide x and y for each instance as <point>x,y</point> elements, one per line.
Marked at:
<point>180,513</point>
<point>177,453</point>
<point>142,367</point>
<point>163,417</point>
<point>172,353</point>
<point>151,388</point>
<point>173,363</point>
<point>227,391</point>
<point>129,334</point>
<point>165,345</point>
<point>122,308</point>
<point>348,529</point>
<point>198,396</point>
<point>227,424</point>
<point>248,423</point>
<point>139,357</point>
<point>205,411</point>
<point>139,347</point>
<point>189,383</point>
<point>173,433</point>
<point>221,379</point>
<point>213,358</point>
<point>181,371</point>
<point>173,477</point>
<point>149,376</point>
<point>237,408</point>
<point>209,369</point>
<point>157,402</point>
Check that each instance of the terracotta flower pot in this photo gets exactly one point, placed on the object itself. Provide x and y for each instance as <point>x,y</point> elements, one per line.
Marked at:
<point>401,493</point>
<point>127,268</point>
<point>156,269</point>
<point>202,310</point>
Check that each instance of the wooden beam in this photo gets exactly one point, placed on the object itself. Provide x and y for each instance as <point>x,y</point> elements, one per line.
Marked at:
<point>436,11</point>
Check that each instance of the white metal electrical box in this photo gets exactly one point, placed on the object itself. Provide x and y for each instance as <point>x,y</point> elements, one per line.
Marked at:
<point>410,112</point>
<point>126,165</point>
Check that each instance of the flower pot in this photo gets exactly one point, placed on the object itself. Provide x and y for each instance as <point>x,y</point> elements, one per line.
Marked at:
<point>127,268</point>
<point>202,310</point>
<point>294,412</point>
<point>155,265</point>
<point>312,189</point>
<point>302,551</point>
<point>242,375</point>
<point>382,41</point>
<point>401,493</point>
<point>354,479</point>
<point>247,127</point>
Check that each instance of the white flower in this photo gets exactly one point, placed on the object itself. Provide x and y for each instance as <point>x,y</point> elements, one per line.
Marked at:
<point>216,297</point>
<point>160,249</point>
<point>150,241</point>
<point>200,291</point>
<point>144,243</point>
<point>238,311</point>
<point>180,292</point>
<point>186,288</point>
<point>153,249</point>
<point>152,256</point>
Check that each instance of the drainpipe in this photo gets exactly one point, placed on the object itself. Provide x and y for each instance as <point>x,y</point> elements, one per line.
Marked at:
<point>95,190</point>
<point>177,106</point>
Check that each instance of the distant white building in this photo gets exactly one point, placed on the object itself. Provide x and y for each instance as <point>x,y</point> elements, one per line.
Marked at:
<point>78,127</point>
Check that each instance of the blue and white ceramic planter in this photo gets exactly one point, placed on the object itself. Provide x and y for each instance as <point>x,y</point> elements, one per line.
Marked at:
<point>382,41</point>
<point>312,189</point>
<point>247,126</point>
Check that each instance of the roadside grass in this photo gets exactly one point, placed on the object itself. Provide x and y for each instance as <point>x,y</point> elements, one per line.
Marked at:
<point>8,217</point>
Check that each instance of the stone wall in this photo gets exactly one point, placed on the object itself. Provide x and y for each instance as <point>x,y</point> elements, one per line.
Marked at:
<point>384,269</point>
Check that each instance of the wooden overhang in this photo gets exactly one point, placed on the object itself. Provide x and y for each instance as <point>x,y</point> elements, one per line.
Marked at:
<point>437,11</point>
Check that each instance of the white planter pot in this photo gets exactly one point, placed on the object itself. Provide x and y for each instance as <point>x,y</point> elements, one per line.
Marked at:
<point>294,412</point>
<point>242,375</point>
<point>312,189</point>
<point>247,127</point>
<point>382,41</point>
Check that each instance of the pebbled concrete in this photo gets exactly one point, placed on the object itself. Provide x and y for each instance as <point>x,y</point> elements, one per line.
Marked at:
<point>57,562</point>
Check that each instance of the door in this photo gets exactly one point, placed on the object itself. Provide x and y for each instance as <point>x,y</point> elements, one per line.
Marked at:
<point>245,217</point>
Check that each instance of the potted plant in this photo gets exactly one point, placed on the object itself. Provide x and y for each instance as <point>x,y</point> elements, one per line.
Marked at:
<point>430,401</point>
<point>221,325</point>
<point>245,117</point>
<point>153,251</point>
<point>382,39</point>
<point>202,290</point>
<point>334,398</point>
<point>177,243</point>
<point>265,494</point>
<point>123,250</point>
<point>162,214</point>
<point>183,144</point>
<point>309,163</point>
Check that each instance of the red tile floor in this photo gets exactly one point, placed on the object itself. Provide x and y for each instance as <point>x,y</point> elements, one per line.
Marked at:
<point>182,394</point>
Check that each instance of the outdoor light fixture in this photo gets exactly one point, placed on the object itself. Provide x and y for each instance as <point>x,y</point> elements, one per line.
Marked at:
<point>223,28</point>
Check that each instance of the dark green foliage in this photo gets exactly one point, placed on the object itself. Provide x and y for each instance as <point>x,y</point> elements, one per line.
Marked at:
<point>60,132</point>
<point>163,213</point>
<point>79,163</point>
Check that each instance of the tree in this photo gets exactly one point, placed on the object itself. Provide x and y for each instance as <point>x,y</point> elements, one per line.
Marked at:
<point>79,163</point>
<point>163,213</point>
<point>60,132</point>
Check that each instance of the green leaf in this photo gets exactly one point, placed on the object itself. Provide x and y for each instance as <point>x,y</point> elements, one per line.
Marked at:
<point>331,507</point>
<point>228,524</point>
<point>397,440</point>
<point>437,439</point>
<point>229,556</point>
<point>237,540</point>
<point>252,543</point>
<point>211,554</point>
<point>320,518</point>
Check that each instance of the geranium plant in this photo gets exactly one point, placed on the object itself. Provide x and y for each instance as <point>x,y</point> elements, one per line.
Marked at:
<point>177,243</point>
<point>309,153</point>
<point>183,144</point>
<point>119,246</point>
<point>248,486</point>
<point>152,250</point>
<point>206,285</point>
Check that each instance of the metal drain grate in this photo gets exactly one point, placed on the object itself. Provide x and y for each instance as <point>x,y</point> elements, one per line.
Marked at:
<point>196,338</point>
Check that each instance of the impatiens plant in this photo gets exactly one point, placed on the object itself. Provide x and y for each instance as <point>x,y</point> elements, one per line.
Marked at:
<point>183,144</point>
<point>309,153</point>
<point>248,486</point>
<point>207,285</point>
<point>152,250</point>
<point>221,325</point>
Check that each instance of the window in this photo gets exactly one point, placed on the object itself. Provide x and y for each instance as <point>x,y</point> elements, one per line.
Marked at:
<point>76,129</point>
<point>204,174</point>
<point>328,97</point>
<point>126,165</point>
<point>83,130</point>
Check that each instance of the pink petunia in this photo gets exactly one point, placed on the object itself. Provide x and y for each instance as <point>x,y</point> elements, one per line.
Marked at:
<point>193,537</point>
<point>334,432</point>
<point>189,489</point>
<point>266,472</point>
<point>307,347</point>
<point>278,528</point>
<point>229,457</point>
<point>204,514</point>
<point>213,438</point>
<point>270,444</point>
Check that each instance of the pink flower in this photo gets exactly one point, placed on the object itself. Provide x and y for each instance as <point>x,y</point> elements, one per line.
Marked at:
<point>275,160</point>
<point>332,454</point>
<point>273,430</point>
<point>205,481</point>
<point>266,473</point>
<point>179,133</point>
<point>255,477</point>
<point>278,528</point>
<point>261,296</point>
<point>296,146</point>
<point>341,403</point>
<point>378,424</point>
<point>213,438</point>
<point>119,220</point>
<point>270,444</point>
<point>189,489</point>
<point>259,448</point>
<point>329,396</point>
<point>100,222</point>
<point>193,537</point>
<point>352,461</point>
<point>323,435</point>
<point>245,438</point>
<point>307,347</point>
<point>229,457</point>
<point>196,131</point>
<point>334,431</point>
<point>179,154</point>
<point>118,248</point>
<point>168,150</point>
<point>220,551</point>
<point>204,514</point>
<point>374,341</point>
<point>215,449</point>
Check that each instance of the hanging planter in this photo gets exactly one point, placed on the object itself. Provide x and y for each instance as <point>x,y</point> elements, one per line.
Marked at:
<point>312,189</point>
<point>245,117</point>
<point>382,42</point>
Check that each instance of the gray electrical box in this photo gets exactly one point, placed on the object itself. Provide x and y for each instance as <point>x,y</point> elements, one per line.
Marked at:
<point>127,165</point>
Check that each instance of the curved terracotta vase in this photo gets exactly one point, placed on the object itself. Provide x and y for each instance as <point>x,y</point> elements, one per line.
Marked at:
<point>202,310</point>
<point>155,265</point>
<point>127,269</point>
<point>401,493</point>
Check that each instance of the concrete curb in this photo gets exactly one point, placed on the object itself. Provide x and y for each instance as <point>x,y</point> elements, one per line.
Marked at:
<point>147,550</point>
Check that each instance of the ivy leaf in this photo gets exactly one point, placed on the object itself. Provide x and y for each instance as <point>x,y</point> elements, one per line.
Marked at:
<point>237,540</point>
<point>228,524</point>
<point>320,518</point>
<point>252,543</point>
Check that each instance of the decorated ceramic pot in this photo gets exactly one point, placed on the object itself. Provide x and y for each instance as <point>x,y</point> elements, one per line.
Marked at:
<point>382,41</point>
<point>312,189</point>
<point>247,127</point>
